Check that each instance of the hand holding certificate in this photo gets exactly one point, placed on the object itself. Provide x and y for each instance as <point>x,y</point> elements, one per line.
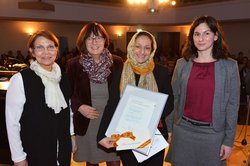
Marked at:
<point>136,118</point>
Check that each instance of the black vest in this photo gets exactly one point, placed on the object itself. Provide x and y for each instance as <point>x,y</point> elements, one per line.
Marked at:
<point>41,128</point>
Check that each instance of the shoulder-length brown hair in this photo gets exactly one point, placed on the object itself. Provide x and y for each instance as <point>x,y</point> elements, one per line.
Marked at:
<point>220,47</point>
<point>86,31</point>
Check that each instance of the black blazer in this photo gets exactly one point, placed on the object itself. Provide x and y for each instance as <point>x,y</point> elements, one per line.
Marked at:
<point>164,86</point>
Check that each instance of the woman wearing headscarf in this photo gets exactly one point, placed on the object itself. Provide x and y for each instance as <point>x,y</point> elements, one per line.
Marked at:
<point>139,70</point>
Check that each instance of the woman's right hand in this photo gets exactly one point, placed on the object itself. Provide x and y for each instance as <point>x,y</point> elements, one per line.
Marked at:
<point>21,163</point>
<point>107,142</point>
<point>88,111</point>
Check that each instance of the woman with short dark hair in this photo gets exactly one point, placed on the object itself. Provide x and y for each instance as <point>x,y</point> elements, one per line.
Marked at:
<point>91,74</point>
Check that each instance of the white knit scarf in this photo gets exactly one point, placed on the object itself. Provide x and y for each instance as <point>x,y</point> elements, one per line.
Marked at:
<point>53,95</point>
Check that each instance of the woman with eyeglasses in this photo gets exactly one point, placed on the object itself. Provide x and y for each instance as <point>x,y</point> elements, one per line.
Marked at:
<point>91,76</point>
<point>38,116</point>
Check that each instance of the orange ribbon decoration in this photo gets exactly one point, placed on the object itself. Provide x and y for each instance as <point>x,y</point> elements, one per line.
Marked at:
<point>127,134</point>
<point>145,144</point>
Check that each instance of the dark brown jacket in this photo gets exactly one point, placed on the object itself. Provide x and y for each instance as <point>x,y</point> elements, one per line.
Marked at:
<point>80,85</point>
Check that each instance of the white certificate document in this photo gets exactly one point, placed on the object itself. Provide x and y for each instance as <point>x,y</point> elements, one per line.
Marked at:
<point>135,120</point>
<point>159,143</point>
<point>134,113</point>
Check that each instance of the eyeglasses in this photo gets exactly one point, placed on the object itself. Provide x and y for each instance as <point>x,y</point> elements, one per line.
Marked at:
<point>98,39</point>
<point>40,48</point>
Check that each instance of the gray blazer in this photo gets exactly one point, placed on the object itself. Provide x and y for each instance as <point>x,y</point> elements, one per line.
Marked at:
<point>226,96</point>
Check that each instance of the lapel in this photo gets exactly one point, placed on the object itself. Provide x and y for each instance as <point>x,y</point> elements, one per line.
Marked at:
<point>220,82</point>
<point>185,73</point>
<point>181,84</point>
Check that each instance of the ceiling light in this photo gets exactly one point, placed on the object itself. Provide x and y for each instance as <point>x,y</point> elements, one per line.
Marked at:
<point>152,5</point>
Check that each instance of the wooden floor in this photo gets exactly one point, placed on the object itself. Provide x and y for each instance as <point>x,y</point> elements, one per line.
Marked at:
<point>238,157</point>
<point>239,154</point>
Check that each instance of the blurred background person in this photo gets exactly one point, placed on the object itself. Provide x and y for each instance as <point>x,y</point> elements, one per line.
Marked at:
<point>19,55</point>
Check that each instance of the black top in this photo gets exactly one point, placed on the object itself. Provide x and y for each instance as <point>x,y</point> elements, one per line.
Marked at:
<point>164,86</point>
<point>41,129</point>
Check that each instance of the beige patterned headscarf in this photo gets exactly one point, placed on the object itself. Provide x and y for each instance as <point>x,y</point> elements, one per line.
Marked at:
<point>131,66</point>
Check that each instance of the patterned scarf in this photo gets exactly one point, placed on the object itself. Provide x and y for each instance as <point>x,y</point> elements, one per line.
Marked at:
<point>97,72</point>
<point>53,95</point>
<point>145,70</point>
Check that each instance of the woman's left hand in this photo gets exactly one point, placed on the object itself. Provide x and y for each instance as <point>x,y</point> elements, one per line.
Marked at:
<point>107,142</point>
<point>225,152</point>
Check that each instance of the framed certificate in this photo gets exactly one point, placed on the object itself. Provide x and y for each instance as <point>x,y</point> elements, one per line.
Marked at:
<point>135,120</point>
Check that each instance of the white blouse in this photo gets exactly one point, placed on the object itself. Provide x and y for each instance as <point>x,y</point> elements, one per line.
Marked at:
<point>15,99</point>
